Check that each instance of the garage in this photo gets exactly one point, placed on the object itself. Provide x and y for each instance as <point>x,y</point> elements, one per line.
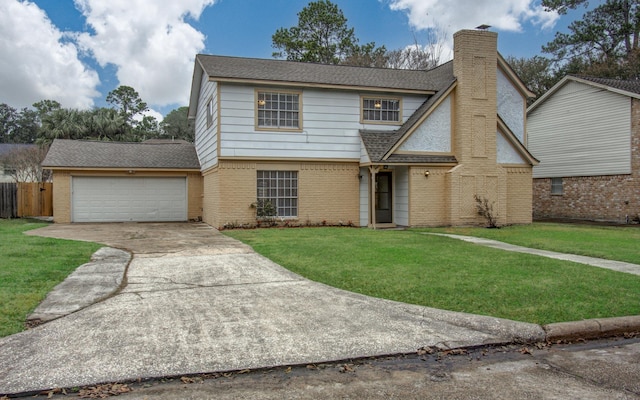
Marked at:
<point>119,199</point>
<point>96,181</point>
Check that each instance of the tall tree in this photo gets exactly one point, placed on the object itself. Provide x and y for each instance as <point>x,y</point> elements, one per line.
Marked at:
<point>603,42</point>
<point>367,55</point>
<point>322,36</point>
<point>63,123</point>
<point>127,101</point>
<point>8,117</point>
<point>176,125</point>
<point>18,126</point>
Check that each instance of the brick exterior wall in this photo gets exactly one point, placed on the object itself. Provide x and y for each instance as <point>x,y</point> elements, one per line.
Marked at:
<point>447,196</point>
<point>327,191</point>
<point>61,196</point>
<point>62,190</point>
<point>519,192</point>
<point>428,205</point>
<point>475,67</point>
<point>606,198</point>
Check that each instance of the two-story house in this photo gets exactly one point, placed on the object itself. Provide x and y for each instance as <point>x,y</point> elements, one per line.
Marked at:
<point>320,144</point>
<point>363,146</point>
<point>586,131</point>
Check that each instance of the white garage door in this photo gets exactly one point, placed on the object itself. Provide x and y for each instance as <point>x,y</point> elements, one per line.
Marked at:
<point>128,199</point>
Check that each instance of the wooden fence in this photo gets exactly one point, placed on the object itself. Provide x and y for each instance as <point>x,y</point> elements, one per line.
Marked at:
<point>26,199</point>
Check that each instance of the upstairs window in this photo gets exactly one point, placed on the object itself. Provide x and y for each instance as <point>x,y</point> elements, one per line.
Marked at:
<point>279,110</point>
<point>380,109</point>
<point>209,113</point>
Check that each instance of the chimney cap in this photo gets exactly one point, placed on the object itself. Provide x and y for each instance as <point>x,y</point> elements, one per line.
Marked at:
<point>483,27</point>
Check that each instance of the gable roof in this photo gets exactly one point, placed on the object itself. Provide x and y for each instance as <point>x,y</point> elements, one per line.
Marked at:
<point>94,154</point>
<point>629,88</point>
<point>301,74</point>
<point>225,68</point>
<point>380,144</point>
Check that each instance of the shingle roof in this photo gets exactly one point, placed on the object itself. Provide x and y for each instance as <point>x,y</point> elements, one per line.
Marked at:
<point>255,69</point>
<point>632,86</point>
<point>6,148</point>
<point>94,154</point>
<point>379,143</point>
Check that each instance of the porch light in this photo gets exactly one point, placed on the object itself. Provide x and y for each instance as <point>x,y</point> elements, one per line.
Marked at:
<point>426,174</point>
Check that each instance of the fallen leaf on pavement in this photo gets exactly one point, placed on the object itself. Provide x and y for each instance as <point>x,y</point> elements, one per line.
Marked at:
<point>525,350</point>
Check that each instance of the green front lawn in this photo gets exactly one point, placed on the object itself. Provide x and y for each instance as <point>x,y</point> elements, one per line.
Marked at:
<point>30,267</point>
<point>433,271</point>
<point>620,243</point>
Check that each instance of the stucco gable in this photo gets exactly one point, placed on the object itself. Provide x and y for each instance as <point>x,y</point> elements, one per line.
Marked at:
<point>508,143</point>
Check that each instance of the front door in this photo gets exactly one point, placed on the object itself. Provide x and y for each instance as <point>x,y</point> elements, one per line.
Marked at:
<point>384,212</point>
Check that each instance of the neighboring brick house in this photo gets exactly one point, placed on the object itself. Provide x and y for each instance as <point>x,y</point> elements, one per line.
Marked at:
<point>363,146</point>
<point>586,133</point>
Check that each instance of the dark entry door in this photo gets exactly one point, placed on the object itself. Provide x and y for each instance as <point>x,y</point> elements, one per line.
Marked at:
<point>384,212</point>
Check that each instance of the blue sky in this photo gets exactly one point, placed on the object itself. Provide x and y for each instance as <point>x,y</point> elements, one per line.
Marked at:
<point>76,51</point>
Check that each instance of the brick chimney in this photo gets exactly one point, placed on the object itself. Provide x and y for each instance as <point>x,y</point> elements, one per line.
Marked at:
<point>475,63</point>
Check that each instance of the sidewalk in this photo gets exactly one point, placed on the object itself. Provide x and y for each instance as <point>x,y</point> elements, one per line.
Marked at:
<point>596,262</point>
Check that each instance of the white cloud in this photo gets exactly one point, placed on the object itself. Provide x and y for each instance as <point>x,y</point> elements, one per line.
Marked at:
<point>454,15</point>
<point>37,62</point>
<point>149,42</point>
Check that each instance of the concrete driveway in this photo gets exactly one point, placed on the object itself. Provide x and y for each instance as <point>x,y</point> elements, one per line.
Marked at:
<point>197,301</point>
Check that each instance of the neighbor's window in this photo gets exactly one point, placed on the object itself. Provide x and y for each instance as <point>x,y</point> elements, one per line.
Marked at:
<point>280,190</point>
<point>378,109</point>
<point>209,113</point>
<point>280,110</point>
<point>556,185</point>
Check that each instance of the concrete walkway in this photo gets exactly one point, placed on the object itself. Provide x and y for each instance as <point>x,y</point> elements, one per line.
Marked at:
<point>619,266</point>
<point>194,301</point>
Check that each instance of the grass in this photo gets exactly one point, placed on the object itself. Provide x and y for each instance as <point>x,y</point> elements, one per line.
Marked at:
<point>30,267</point>
<point>619,243</point>
<point>439,272</point>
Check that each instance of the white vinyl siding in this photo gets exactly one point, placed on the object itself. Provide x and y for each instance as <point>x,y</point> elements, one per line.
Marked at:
<point>581,130</point>
<point>330,121</point>
<point>364,196</point>
<point>118,199</point>
<point>207,134</point>
<point>401,196</point>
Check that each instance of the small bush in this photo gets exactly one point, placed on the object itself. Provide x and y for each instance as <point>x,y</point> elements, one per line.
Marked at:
<point>485,209</point>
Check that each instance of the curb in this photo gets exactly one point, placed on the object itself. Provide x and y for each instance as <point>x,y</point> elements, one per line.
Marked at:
<point>592,328</point>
